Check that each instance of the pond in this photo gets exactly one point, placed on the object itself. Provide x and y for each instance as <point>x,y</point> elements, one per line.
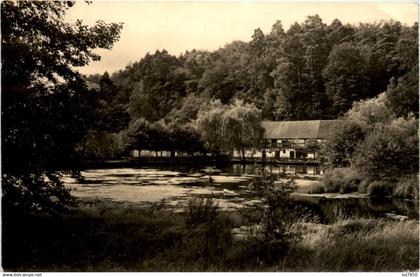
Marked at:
<point>230,186</point>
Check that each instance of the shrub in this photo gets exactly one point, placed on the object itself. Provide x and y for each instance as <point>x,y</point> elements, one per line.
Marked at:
<point>252,252</point>
<point>407,187</point>
<point>317,188</point>
<point>273,218</point>
<point>332,180</point>
<point>389,151</point>
<point>208,237</point>
<point>363,186</point>
<point>342,180</point>
<point>359,225</point>
<point>276,215</point>
<point>103,145</point>
<point>358,245</point>
<point>370,111</point>
<point>34,192</point>
<point>341,144</point>
<point>201,210</point>
<point>206,244</point>
<point>380,189</point>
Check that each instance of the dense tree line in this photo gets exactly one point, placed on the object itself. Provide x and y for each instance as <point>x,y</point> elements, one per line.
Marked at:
<point>311,71</point>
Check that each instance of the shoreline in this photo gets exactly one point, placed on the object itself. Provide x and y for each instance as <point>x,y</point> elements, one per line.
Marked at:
<point>192,162</point>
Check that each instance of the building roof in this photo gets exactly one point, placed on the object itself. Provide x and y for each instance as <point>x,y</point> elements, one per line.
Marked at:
<point>316,129</point>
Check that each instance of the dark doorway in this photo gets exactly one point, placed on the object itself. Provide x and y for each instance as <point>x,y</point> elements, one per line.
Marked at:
<point>292,154</point>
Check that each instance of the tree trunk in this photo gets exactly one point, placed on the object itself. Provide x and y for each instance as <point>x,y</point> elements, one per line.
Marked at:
<point>84,147</point>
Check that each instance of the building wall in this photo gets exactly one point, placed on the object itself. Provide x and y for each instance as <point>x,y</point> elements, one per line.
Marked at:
<point>249,153</point>
<point>287,153</point>
<point>270,153</point>
<point>149,153</point>
<point>287,146</point>
<point>310,156</point>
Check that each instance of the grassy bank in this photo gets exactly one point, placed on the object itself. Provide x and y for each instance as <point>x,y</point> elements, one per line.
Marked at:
<point>107,236</point>
<point>356,245</point>
<point>347,180</point>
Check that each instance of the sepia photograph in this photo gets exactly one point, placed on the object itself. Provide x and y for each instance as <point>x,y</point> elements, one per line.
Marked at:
<point>209,136</point>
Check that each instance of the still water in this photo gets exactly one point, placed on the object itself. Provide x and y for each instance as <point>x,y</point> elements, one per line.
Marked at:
<point>230,186</point>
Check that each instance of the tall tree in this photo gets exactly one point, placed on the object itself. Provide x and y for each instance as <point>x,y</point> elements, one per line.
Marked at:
<point>403,94</point>
<point>111,113</point>
<point>341,144</point>
<point>229,127</point>
<point>338,33</point>
<point>288,78</point>
<point>242,127</point>
<point>209,124</point>
<point>346,77</point>
<point>317,49</point>
<point>44,99</point>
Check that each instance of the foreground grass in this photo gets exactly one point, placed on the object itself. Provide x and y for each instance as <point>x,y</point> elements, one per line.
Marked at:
<point>356,245</point>
<point>107,236</point>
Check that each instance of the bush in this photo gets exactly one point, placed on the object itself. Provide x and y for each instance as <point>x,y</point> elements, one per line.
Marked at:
<point>98,237</point>
<point>371,111</point>
<point>276,216</point>
<point>340,145</point>
<point>357,226</point>
<point>34,192</point>
<point>407,187</point>
<point>254,253</point>
<point>208,237</point>
<point>201,210</point>
<point>103,145</point>
<point>342,180</point>
<point>357,245</point>
<point>389,151</point>
<point>273,219</point>
<point>317,188</point>
<point>380,189</point>
<point>363,186</point>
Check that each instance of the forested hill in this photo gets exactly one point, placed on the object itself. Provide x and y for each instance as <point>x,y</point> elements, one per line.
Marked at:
<point>310,71</point>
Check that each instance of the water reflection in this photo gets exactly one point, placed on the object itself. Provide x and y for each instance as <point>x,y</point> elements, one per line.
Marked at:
<point>243,169</point>
<point>277,169</point>
<point>331,210</point>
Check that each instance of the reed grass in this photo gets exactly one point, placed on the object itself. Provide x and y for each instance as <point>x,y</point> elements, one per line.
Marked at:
<point>342,180</point>
<point>357,245</point>
<point>109,236</point>
<point>347,180</point>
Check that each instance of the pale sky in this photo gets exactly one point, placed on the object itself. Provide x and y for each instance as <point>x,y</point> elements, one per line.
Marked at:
<point>181,26</point>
